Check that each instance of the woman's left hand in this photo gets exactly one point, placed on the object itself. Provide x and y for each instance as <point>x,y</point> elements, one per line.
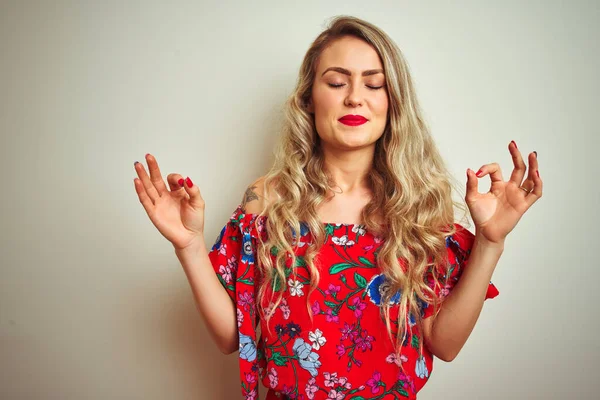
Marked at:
<point>497,212</point>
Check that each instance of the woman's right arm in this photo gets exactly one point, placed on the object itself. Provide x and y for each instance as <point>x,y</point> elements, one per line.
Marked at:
<point>178,214</point>
<point>212,300</point>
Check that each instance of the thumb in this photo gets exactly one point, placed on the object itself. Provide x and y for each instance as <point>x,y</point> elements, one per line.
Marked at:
<point>196,200</point>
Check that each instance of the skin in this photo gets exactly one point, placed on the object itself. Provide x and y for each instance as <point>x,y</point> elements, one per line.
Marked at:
<point>349,150</point>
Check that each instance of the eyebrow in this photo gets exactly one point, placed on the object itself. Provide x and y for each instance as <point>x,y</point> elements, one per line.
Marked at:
<point>346,72</point>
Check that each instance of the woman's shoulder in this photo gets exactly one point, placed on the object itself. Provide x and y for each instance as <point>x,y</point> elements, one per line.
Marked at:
<point>256,198</point>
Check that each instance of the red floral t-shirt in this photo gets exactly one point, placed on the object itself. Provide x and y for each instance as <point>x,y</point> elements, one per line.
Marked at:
<point>345,352</point>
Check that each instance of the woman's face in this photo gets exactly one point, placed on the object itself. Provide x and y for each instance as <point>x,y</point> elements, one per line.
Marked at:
<point>349,83</point>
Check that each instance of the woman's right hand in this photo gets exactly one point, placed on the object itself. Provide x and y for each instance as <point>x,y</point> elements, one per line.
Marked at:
<point>178,214</point>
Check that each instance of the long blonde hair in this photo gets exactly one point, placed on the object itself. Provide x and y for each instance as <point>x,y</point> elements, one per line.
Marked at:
<point>411,185</point>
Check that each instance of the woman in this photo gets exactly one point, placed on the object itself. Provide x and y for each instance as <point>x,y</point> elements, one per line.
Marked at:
<point>345,256</point>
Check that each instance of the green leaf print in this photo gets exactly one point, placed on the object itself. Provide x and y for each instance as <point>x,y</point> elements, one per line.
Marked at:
<point>300,262</point>
<point>339,267</point>
<point>366,262</point>
<point>278,359</point>
<point>276,283</point>
<point>330,304</point>
<point>415,342</point>
<point>224,283</point>
<point>360,281</point>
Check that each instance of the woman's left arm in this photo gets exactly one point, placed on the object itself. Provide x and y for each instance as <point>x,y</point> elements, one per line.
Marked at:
<point>495,215</point>
<point>446,333</point>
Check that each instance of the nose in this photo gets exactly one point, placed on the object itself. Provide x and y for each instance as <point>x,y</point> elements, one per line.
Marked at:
<point>354,97</point>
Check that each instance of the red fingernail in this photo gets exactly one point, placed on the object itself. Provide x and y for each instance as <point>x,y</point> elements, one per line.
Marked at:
<point>180,182</point>
<point>513,142</point>
<point>537,172</point>
<point>479,173</point>
<point>189,182</point>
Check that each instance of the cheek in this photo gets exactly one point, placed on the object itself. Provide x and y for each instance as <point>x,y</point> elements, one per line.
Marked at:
<point>325,102</point>
<point>382,105</point>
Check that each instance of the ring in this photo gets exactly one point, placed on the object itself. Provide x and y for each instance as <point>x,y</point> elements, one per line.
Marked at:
<point>527,190</point>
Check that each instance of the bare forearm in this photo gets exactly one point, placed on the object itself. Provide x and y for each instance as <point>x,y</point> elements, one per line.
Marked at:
<point>461,309</point>
<point>212,300</point>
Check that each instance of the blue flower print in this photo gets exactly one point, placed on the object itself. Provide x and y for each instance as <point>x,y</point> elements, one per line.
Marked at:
<point>309,360</point>
<point>377,287</point>
<point>303,230</point>
<point>411,319</point>
<point>219,239</point>
<point>422,306</point>
<point>247,348</point>
<point>458,251</point>
<point>248,256</point>
<point>421,368</point>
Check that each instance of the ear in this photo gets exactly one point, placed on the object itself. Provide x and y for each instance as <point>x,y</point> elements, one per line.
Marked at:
<point>310,106</point>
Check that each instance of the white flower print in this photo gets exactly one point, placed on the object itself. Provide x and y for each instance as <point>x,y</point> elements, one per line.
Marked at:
<point>342,241</point>
<point>295,287</point>
<point>360,229</point>
<point>317,338</point>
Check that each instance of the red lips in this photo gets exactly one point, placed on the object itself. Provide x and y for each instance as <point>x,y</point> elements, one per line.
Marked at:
<point>353,120</point>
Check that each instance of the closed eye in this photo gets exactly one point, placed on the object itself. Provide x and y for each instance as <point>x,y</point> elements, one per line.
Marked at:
<point>336,86</point>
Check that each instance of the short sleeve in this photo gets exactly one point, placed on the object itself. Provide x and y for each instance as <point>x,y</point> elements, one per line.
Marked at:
<point>225,253</point>
<point>233,259</point>
<point>459,247</point>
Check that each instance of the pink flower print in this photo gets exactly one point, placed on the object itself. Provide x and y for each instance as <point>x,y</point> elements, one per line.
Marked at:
<point>273,378</point>
<point>285,309</point>
<point>240,317</point>
<point>392,358</point>
<point>311,388</point>
<point>343,382</point>
<point>364,341</point>
<point>333,394</point>
<point>445,291</point>
<point>330,379</point>
<point>250,395</point>
<point>261,225</point>
<point>341,350</point>
<point>377,239</point>
<point>347,331</point>
<point>269,310</point>
<point>360,306</point>
<point>374,382</point>
<point>232,263</point>
<point>316,308</point>
<point>407,380</point>
<point>288,390</point>
<point>250,378</point>
<point>225,272</point>
<point>246,300</point>
<point>330,317</point>
<point>333,290</point>
<point>223,249</point>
